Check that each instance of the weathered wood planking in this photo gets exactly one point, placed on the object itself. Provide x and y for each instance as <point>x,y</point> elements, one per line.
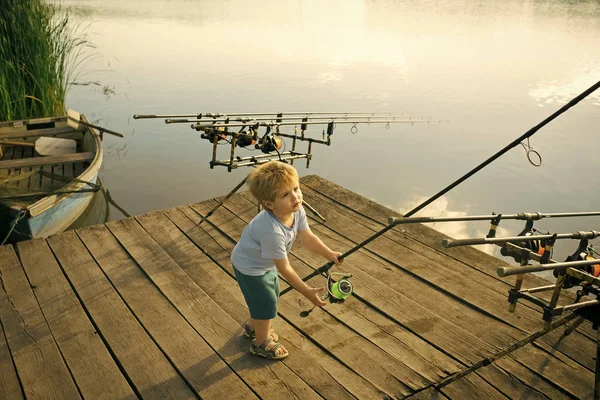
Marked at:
<point>142,361</point>
<point>193,357</point>
<point>39,364</point>
<point>217,327</point>
<point>577,347</point>
<point>580,348</point>
<point>149,307</point>
<point>90,363</point>
<point>10,388</point>
<point>366,360</point>
<point>292,315</point>
<point>320,371</point>
<point>233,200</point>
<point>402,296</point>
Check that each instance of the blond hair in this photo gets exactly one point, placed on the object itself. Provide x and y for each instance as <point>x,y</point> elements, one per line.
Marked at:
<point>265,180</point>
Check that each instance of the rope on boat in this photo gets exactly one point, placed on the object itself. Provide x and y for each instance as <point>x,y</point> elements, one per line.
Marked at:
<point>21,214</point>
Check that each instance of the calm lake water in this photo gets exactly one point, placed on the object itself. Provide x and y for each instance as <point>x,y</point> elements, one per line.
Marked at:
<point>493,69</point>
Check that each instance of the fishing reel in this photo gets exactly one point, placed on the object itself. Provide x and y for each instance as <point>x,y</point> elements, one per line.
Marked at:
<point>542,247</point>
<point>211,133</point>
<point>583,252</point>
<point>338,291</point>
<point>245,140</point>
<point>269,144</point>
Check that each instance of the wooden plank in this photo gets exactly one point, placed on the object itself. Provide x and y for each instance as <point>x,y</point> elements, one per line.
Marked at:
<point>427,394</point>
<point>39,364</point>
<point>519,382</point>
<point>143,363</point>
<point>320,325</point>
<point>268,379</point>
<point>87,357</point>
<point>556,368</point>
<point>40,132</point>
<point>328,377</point>
<point>10,389</point>
<point>576,346</point>
<point>472,387</point>
<point>6,153</point>
<point>191,355</point>
<point>49,160</point>
<point>17,155</point>
<point>457,328</point>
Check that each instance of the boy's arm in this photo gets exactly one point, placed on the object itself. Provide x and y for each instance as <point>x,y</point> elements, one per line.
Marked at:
<point>288,273</point>
<point>313,243</point>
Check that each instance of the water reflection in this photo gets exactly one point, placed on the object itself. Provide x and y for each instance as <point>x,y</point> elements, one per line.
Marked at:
<point>485,66</point>
<point>99,209</point>
<point>553,92</point>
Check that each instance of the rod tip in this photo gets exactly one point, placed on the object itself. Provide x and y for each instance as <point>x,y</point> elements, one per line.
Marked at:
<point>135,116</point>
<point>501,271</point>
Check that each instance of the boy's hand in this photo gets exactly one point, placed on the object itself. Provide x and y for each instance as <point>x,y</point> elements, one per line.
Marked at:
<point>334,258</point>
<point>314,295</point>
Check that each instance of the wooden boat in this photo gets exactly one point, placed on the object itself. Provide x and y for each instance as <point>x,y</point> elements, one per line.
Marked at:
<point>41,195</point>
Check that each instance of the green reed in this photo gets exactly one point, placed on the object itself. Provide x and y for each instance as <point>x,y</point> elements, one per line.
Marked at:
<point>40,50</point>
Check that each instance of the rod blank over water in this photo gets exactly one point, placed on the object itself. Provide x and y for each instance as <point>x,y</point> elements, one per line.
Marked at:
<point>366,118</point>
<point>447,243</point>
<point>218,115</point>
<point>521,216</point>
<point>271,124</point>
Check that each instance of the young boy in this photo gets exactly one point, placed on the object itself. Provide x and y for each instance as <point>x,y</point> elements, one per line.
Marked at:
<point>263,248</point>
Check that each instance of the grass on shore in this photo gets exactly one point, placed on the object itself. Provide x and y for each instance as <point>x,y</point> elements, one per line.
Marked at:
<point>40,51</point>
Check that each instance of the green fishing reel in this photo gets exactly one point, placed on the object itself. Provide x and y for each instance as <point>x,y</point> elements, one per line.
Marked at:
<point>339,291</point>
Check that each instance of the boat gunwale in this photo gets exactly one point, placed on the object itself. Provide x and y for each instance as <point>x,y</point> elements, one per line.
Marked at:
<point>52,200</point>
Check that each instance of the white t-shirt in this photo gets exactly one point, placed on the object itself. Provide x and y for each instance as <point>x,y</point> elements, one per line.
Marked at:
<point>266,239</point>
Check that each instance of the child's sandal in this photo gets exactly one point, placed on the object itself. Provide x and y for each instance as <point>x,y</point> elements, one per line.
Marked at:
<point>263,350</point>
<point>250,334</point>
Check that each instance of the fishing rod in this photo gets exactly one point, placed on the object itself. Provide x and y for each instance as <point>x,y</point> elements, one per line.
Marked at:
<point>521,216</point>
<point>447,243</point>
<point>324,268</point>
<point>275,124</point>
<point>218,115</point>
<point>508,271</point>
<point>280,119</point>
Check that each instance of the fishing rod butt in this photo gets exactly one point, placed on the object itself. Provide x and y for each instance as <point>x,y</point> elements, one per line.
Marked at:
<point>393,220</point>
<point>447,243</point>
<point>502,272</point>
<point>142,116</point>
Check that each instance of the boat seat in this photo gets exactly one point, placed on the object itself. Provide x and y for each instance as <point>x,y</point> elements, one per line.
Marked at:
<point>49,160</point>
<point>40,132</point>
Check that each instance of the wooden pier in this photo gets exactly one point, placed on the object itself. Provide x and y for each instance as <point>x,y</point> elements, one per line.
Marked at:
<point>147,307</point>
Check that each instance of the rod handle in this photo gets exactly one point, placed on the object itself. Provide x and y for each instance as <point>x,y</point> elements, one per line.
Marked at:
<point>507,271</point>
<point>141,116</point>
<point>447,243</point>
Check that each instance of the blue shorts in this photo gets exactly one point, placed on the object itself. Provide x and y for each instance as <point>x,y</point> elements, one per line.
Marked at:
<point>260,292</point>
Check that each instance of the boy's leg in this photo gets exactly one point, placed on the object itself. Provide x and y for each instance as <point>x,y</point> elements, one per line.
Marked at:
<point>262,328</point>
